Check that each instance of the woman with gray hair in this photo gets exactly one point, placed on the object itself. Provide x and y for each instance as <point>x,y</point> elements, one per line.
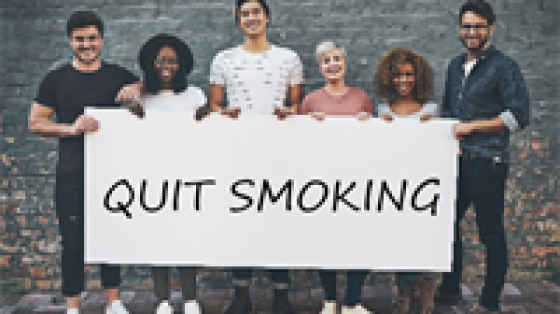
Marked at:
<point>338,99</point>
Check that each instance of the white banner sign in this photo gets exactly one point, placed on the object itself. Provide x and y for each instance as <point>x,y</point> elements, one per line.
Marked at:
<point>337,194</point>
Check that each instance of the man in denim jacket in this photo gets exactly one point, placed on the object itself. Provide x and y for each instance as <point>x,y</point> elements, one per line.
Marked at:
<point>486,91</point>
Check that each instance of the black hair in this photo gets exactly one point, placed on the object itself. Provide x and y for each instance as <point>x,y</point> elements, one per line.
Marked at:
<point>83,19</point>
<point>239,3</point>
<point>148,54</point>
<point>478,7</point>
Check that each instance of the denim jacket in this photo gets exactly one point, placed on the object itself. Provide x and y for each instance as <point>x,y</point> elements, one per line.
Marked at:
<point>494,87</point>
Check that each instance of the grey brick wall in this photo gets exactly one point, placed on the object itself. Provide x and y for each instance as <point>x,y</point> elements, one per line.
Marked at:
<point>34,40</point>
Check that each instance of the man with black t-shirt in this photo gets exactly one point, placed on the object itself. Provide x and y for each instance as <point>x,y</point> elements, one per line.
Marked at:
<point>65,91</point>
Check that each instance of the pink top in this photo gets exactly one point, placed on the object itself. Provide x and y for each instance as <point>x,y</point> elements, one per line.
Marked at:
<point>352,103</point>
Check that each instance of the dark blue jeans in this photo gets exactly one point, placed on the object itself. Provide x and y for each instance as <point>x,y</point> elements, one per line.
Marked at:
<point>481,182</point>
<point>69,201</point>
<point>355,282</point>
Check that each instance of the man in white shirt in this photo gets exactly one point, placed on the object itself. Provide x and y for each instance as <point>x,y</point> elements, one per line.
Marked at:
<point>257,77</point>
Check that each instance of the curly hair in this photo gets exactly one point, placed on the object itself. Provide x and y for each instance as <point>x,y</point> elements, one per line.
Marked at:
<point>387,70</point>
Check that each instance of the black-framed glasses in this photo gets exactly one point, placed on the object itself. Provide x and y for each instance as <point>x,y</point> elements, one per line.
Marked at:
<point>475,27</point>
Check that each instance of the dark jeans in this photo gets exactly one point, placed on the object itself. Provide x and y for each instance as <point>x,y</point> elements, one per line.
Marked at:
<point>162,288</point>
<point>355,283</point>
<point>481,182</point>
<point>406,279</point>
<point>69,202</point>
<point>280,277</point>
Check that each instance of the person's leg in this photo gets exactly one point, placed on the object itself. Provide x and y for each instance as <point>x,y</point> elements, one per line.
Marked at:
<point>451,282</point>
<point>69,196</point>
<point>355,283</point>
<point>162,289</point>
<point>488,198</point>
<point>328,281</point>
<point>241,302</point>
<point>187,277</point>
<point>281,280</point>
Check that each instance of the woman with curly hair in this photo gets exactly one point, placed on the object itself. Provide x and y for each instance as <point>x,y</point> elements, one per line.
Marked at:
<point>406,80</point>
<point>166,61</point>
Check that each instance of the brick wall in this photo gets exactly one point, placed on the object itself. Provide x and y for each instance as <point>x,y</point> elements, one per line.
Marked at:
<point>34,40</point>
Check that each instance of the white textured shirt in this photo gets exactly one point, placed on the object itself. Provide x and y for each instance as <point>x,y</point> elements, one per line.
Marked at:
<point>256,82</point>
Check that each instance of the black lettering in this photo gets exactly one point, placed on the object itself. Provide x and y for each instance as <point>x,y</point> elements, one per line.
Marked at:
<point>121,208</point>
<point>341,197</point>
<point>386,191</point>
<point>267,190</point>
<point>323,199</point>
<point>367,201</point>
<point>432,205</point>
<point>199,185</point>
<point>162,201</point>
<point>246,197</point>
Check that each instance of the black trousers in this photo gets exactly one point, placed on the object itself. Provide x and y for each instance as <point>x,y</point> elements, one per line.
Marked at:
<point>69,203</point>
<point>481,182</point>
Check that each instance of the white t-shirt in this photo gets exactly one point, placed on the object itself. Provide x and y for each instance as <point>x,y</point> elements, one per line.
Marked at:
<point>428,109</point>
<point>468,66</point>
<point>256,82</point>
<point>188,100</point>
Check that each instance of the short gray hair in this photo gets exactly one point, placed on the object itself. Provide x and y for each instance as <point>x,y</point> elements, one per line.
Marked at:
<point>326,47</point>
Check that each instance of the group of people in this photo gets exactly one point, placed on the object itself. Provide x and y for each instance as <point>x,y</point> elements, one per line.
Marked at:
<point>484,90</point>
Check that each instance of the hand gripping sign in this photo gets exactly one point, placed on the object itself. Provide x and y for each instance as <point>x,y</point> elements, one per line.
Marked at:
<point>337,194</point>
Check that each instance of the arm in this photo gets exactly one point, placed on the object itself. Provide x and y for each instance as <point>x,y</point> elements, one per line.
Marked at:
<point>40,123</point>
<point>130,93</point>
<point>515,97</point>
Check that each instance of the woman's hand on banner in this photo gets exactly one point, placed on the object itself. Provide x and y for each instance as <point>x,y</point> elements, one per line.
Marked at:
<point>283,112</point>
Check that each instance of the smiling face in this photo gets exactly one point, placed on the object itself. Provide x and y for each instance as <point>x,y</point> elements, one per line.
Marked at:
<point>333,65</point>
<point>252,19</point>
<point>166,65</point>
<point>404,80</point>
<point>474,31</point>
<point>86,44</point>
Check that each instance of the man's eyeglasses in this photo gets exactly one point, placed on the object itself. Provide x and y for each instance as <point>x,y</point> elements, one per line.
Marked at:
<point>164,61</point>
<point>475,27</point>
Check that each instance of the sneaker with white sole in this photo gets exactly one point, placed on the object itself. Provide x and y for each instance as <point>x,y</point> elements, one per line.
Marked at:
<point>164,308</point>
<point>358,309</point>
<point>117,307</point>
<point>329,308</point>
<point>192,307</point>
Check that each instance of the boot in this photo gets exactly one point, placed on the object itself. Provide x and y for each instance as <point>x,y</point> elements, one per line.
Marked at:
<point>241,303</point>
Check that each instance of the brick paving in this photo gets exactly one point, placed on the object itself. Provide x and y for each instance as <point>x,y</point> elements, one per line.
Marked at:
<point>523,298</point>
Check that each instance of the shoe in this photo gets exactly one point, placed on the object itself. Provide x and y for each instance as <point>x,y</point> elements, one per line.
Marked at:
<point>241,303</point>
<point>446,298</point>
<point>329,308</point>
<point>403,303</point>
<point>479,309</point>
<point>164,308</point>
<point>116,307</point>
<point>192,307</point>
<point>281,303</point>
<point>358,309</point>
<point>72,311</point>
<point>427,289</point>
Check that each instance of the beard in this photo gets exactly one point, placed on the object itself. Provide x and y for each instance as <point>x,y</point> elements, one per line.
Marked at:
<point>477,49</point>
<point>85,61</point>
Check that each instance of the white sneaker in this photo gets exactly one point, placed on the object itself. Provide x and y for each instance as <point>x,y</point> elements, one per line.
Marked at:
<point>164,308</point>
<point>192,307</point>
<point>358,309</point>
<point>72,311</point>
<point>329,308</point>
<point>116,307</point>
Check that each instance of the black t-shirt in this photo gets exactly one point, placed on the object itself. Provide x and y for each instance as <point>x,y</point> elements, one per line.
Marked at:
<point>68,91</point>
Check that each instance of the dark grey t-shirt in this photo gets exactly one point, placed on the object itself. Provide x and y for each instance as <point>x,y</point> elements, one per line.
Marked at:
<point>68,91</point>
